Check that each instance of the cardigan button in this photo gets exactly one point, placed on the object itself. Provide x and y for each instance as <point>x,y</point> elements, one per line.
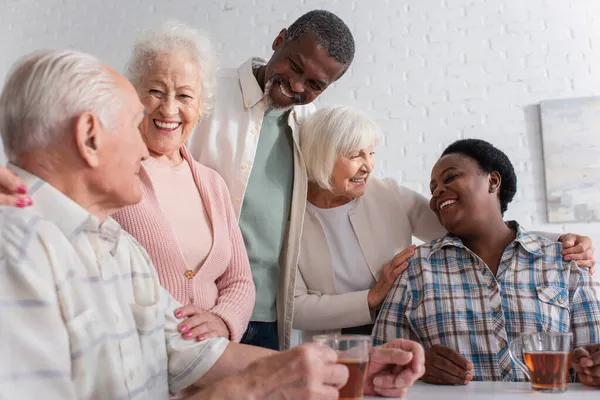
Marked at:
<point>189,274</point>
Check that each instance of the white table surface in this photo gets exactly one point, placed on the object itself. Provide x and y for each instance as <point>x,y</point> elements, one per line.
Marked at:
<point>495,391</point>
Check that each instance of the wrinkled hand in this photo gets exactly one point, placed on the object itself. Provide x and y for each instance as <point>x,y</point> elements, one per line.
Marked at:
<point>13,191</point>
<point>306,372</point>
<point>200,324</point>
<point>389,273</point>
<point>578,248</point>
<point>586,362</point>
<point>394,367</point>
<point>444,366</point>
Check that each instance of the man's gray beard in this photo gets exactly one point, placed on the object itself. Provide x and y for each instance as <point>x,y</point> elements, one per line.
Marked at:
<point>269,102</point>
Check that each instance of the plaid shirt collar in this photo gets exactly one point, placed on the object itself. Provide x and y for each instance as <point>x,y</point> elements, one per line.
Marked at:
<point>526,239</point>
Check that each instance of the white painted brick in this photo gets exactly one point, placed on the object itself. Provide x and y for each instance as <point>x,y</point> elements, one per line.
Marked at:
<point>471,67</point>
<point>548,86</point>
<point>521,74</point>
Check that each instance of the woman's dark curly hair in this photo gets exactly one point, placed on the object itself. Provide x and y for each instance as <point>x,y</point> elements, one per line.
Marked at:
<point>490,159</point>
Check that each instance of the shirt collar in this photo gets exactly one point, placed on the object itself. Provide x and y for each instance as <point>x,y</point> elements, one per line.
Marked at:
<point>55,206</point>
<point>251,91</point>
<point>526,239</point>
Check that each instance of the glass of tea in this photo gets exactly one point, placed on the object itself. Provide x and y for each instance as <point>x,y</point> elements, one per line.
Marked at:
<point>353,352</point>
<point>547,359</point>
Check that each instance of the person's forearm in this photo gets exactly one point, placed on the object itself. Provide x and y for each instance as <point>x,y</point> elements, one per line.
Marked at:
<point>234,359</point>
<point>338,311</point>
<point>231,388</point>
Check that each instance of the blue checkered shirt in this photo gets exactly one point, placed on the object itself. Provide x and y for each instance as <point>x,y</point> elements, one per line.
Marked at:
<point>449,296</point>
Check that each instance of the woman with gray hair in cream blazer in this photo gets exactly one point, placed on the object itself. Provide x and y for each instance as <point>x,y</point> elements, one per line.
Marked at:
<point>358,229</point>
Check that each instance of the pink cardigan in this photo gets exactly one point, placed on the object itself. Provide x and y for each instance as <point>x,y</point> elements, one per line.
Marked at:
<point>223,284</point>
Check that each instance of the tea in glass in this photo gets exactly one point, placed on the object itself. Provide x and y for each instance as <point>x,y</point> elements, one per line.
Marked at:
<point>547,359</point>
<point>353,352</point>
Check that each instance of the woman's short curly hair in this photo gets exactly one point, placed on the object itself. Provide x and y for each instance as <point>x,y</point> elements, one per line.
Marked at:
<point>175,36</point>
<point>490,159</point>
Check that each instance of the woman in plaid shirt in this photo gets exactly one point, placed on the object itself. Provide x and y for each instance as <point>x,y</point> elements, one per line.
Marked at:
<point>465,296</point>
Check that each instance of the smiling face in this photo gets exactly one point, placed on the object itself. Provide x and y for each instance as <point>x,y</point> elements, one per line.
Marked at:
<point>350,174</point>
<point>464,197</point>
<point>299,71</point>
<point>170,91</point>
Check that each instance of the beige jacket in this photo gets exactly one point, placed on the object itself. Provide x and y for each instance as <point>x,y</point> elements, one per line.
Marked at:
<point>226,141</point>
<point>384,219</point>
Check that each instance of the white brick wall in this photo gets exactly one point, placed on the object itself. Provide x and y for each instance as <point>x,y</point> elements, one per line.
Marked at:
<point>429,71</point>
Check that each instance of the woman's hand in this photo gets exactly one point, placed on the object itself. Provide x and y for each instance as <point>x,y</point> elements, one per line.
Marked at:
<point>13,191</point>
<point>200,324</point>
<point>578,248</point>
<point>389,273</point>
<point>444,366</point>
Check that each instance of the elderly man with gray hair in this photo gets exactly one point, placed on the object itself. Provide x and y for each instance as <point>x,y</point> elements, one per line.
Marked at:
<point>82,313</point>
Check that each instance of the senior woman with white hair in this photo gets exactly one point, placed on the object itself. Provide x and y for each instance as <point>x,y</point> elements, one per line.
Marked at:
<point>358,229</point>
<point>186,220</point>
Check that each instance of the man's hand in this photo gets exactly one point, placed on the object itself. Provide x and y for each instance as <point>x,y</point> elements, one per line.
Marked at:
<point>389,273</point>
<point>444,366</point>
<point>394,367</point>
<point>578,248</point>
<point>306,372</point>
<point>13,191</point>
<point>586,362</point>
<point>200,324</point>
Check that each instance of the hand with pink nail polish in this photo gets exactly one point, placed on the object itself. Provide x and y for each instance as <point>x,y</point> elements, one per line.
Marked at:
<point>200,324</point>
<point>13,191</point>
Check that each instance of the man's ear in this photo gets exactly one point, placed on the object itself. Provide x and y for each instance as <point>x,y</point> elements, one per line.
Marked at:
<point>495,182</point>
<point>88,138</point>
<point>279,40</point>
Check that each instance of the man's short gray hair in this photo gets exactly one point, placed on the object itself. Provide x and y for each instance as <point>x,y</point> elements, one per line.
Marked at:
<point>331,133</point>
<point>170,37</point>
<point>45,90</point>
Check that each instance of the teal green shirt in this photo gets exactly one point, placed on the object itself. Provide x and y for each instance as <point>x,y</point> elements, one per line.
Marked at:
<point>266,207</point>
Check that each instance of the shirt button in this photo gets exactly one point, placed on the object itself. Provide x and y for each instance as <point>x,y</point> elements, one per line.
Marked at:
<point>249,104</point>
<point>253,131</point>
<point>245,167</point>
<point>502,344</point>
<point>131,374</point>
<point>561,300</point>
<point>116,318</point>
<point>238,200</point>
<point>496,309</point>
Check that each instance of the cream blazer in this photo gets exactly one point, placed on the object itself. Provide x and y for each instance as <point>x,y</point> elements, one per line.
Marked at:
<point>384,219</point>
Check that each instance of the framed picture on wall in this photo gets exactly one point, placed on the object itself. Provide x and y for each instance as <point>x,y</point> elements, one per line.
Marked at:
<point>571,142</point>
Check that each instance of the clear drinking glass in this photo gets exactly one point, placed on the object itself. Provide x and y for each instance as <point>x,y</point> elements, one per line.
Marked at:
<point>547,359</point>
<point>353,352</point>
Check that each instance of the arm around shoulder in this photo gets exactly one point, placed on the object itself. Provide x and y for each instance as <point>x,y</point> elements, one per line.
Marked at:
<point>424,223</point>
<point>316,311</point>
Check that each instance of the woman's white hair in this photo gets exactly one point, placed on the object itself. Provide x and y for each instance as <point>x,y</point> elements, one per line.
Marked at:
<point>174,36</point>
<point>331,133</point>
<point>45,90</point>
